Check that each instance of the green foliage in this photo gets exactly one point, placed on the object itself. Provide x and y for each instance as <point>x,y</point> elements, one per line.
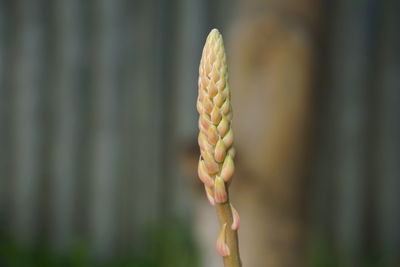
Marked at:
<point>167,246</point>
<point>324,254</point>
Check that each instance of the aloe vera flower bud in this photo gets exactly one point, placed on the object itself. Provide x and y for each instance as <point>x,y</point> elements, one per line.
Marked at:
<point>216,164</point>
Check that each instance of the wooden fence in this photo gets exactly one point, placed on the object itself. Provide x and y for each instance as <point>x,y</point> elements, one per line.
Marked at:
<point>97,98</point>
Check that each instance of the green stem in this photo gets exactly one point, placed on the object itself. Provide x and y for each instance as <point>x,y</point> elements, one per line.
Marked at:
<point>224,213</point>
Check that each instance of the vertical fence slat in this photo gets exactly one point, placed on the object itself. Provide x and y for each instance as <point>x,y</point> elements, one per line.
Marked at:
<point>349,85</point>
<point>65,82</point>
<point>105,130</point>
<point>27,88</point>
<point>140,182</point>
<point>4,99</point>
<point>388,138</point>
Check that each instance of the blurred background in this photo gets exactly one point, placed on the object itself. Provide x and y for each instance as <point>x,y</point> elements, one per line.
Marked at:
<point>98,132</point>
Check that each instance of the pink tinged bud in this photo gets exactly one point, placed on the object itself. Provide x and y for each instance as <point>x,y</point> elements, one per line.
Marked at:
<point>202,82</point>
<point>211,165</point>
<point>204,121</point>
<point>209,193</point>
<point>212,89</point>
<point>203,175</point>
<point>220,84</point>
<point>199,107</point>
<point>223,126</point>
<point>218,100</point>
<point>236,219</point>
<point>228,168</point>
<point>212,134</point>
<point>226,107</point>
<point>207,106</point>
<point>215,115</point>
<point>220,151</point>
<point>215,77</point>
<point>203,143</point>
<point>221,246</point>
<point>201,139</point>
<point>202,94</point>
<point>201,127</point>
<point>220,194</point>
<point>228,138</point>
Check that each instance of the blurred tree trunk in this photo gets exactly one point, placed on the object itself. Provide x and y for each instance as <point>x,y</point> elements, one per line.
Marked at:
<point>272,75</point>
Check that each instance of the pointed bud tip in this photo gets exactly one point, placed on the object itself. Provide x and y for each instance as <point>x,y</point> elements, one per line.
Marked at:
<point>221,246</point>
<point>209,194</point>
<point>214,32</point>
<point>220,195</point>
<point>236,219</point>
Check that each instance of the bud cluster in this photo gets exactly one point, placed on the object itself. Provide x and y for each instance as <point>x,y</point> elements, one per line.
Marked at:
<point>216,166</point>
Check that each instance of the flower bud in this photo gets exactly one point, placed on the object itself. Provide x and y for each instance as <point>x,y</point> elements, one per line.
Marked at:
<point>215,115</point>
<point>209,194</point>
<point>221,246</point>
<point>203,174</point>
<point>220,194</point>
<point>212,134</point>
<point>228,168</point>
<point>228,138</point>
<point>220,151</point>
<point>205,121</point>
<point>209,162</point>
<point>219,100</point>
<point>236,219</point>
<point>226,107</point>
<point>223,126</point>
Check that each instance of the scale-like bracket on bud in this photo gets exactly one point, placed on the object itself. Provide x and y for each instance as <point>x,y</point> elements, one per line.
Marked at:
<point>221,246</point>
<point>236,219</point>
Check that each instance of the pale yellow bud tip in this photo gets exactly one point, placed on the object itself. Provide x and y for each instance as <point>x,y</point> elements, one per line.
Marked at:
<point>214,33</point>
<point>220,195</point>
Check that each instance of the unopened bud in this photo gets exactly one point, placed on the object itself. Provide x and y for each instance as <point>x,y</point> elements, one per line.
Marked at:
<point>220,151</point>
<point>236,219</point>
<point>211,165</point>
<point>215,115</point>
<point>212,134</point>
<point>228,168</point>
<point>223,126</point>
<point>203,174</point>
<point>228,138</point>
<point>209,193</point>
<point>219,100</point>
<point>220,194</point>
<point>221,246</point>
<point>226,107</point>
<point>205,120</point>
